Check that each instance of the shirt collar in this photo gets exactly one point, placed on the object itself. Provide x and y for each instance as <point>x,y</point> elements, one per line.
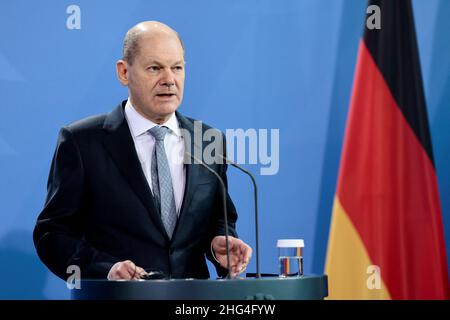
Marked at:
<point>140,125</point>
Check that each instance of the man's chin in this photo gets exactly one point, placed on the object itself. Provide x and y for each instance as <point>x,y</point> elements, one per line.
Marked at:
<point>167,109</point>
<point>163,112</point>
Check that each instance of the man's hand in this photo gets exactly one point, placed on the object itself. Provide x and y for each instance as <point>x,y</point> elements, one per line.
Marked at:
<point>125,270</point>
<point>240,253</point>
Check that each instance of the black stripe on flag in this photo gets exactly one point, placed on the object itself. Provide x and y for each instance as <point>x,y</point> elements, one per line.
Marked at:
<point>394,49</point>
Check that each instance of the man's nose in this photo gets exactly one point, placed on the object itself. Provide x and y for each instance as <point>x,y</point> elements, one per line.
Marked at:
<point>168,78</point>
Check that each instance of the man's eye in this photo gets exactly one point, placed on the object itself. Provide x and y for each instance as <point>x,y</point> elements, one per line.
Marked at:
<point>153,68</point>
<point>178,68</point>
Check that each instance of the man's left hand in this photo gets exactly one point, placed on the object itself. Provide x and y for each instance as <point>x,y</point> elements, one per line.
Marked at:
<point>240,253</point>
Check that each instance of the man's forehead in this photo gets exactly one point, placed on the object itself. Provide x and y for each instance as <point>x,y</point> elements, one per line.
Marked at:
<point>162,50</point>
<point>161,42</point>
<point>163,61</point>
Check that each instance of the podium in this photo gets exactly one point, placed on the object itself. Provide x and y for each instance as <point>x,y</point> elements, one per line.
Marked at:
<point>311,287</point>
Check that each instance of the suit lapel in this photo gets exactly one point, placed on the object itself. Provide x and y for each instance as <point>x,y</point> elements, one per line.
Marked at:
<point>120,146</point>
<point>192,170</point>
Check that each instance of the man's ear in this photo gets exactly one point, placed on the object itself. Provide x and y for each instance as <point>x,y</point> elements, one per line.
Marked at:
<point>122,72</point>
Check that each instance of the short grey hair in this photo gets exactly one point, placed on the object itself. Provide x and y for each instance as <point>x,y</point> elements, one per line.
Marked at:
<point>131,45</point>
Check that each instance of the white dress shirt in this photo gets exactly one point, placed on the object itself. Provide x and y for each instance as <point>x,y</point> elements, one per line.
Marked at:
<point>144,143</point>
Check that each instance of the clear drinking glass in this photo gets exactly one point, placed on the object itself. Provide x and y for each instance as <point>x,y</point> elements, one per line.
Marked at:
<point>290,259</point>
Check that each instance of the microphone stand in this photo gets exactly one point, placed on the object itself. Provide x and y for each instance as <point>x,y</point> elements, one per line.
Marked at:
<point>255,196</point>
<point>225,213</point>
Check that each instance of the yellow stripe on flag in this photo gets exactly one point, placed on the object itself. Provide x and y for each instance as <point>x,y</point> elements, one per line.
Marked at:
<point>351,274</point>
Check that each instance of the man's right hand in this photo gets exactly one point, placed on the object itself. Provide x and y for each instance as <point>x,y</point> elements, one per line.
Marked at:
<point>125,270</point>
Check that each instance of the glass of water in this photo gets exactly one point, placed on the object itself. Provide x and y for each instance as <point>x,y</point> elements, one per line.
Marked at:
<point>290,259</point>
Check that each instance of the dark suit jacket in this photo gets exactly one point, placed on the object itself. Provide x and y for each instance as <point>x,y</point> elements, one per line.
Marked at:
<point>100,210</point>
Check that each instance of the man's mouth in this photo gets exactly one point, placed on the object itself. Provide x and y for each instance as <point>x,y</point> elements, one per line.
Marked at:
<point>165,95</point>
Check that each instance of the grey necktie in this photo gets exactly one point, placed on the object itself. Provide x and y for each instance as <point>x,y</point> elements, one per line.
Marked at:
<point>162,181</point>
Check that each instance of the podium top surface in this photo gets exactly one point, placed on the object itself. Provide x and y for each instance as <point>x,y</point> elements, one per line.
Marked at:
<point>310,287</point>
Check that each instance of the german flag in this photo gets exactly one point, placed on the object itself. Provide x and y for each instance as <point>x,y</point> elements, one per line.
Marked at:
<point>386,239</point>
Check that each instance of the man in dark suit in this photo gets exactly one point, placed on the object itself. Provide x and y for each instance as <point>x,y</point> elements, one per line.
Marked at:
<point>121,198</point>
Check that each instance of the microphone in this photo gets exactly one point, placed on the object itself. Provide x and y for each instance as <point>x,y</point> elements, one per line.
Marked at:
<point>225,213</point>
<point>255,197</point>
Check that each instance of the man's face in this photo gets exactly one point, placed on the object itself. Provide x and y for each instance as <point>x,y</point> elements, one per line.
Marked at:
<point>155,79</point>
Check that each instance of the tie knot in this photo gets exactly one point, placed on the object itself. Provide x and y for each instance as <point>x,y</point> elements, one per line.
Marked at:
<point>158,132</point>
